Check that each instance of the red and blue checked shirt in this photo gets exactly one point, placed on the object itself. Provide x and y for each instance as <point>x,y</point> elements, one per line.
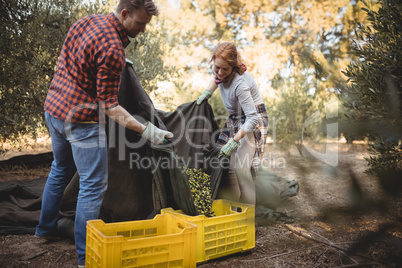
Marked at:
<point>88,71</point>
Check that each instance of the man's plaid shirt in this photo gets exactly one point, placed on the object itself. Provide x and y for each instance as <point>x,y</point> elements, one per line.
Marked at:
<point>88,69</point>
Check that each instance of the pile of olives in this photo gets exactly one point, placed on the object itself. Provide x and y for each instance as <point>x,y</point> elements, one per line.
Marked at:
<point>200,186</point>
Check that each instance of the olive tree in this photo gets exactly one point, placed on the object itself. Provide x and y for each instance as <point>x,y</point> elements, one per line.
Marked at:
<point>374,93</point>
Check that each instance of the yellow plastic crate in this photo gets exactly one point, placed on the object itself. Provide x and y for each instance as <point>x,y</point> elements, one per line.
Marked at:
<point>164,241</point>
<point>232,230</point>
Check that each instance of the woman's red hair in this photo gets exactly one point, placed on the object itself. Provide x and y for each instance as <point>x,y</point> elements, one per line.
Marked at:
<point>228,52</point>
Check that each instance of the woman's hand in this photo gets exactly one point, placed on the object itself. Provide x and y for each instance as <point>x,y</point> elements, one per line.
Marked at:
<point>204,96</point>
<point>208,92</point>
<point>228,148</point>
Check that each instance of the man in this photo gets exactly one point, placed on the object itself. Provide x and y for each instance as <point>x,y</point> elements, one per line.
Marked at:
<point>85,85</point>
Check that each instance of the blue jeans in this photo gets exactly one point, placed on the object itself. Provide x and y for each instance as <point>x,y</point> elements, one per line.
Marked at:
<point>81,146</point>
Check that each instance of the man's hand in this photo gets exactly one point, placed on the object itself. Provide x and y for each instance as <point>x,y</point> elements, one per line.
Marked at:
<point>156,135</point>
<point>228,148</point>
<point>205,95</point>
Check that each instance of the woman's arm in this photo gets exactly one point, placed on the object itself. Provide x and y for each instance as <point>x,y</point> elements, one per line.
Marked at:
<point>239,135</point>
<point>207,92</point>
<point>248,106</point>
<point>212,86</point>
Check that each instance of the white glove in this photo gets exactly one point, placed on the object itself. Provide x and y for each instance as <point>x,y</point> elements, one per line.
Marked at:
<point>156,135</point>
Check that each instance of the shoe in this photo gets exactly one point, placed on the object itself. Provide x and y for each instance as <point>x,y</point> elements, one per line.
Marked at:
<point>81,266</point>
<point>50,238</point>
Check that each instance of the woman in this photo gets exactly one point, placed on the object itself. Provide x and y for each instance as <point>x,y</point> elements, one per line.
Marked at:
<point>244,134</point>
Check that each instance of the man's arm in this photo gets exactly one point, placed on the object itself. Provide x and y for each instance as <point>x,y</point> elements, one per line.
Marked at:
<point>148,131</point>
<point>124,118</point>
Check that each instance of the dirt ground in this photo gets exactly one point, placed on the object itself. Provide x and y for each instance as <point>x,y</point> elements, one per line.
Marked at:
<point>342,218</point>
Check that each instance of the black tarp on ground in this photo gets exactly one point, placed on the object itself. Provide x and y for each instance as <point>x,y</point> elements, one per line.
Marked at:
<point>143,178</point>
